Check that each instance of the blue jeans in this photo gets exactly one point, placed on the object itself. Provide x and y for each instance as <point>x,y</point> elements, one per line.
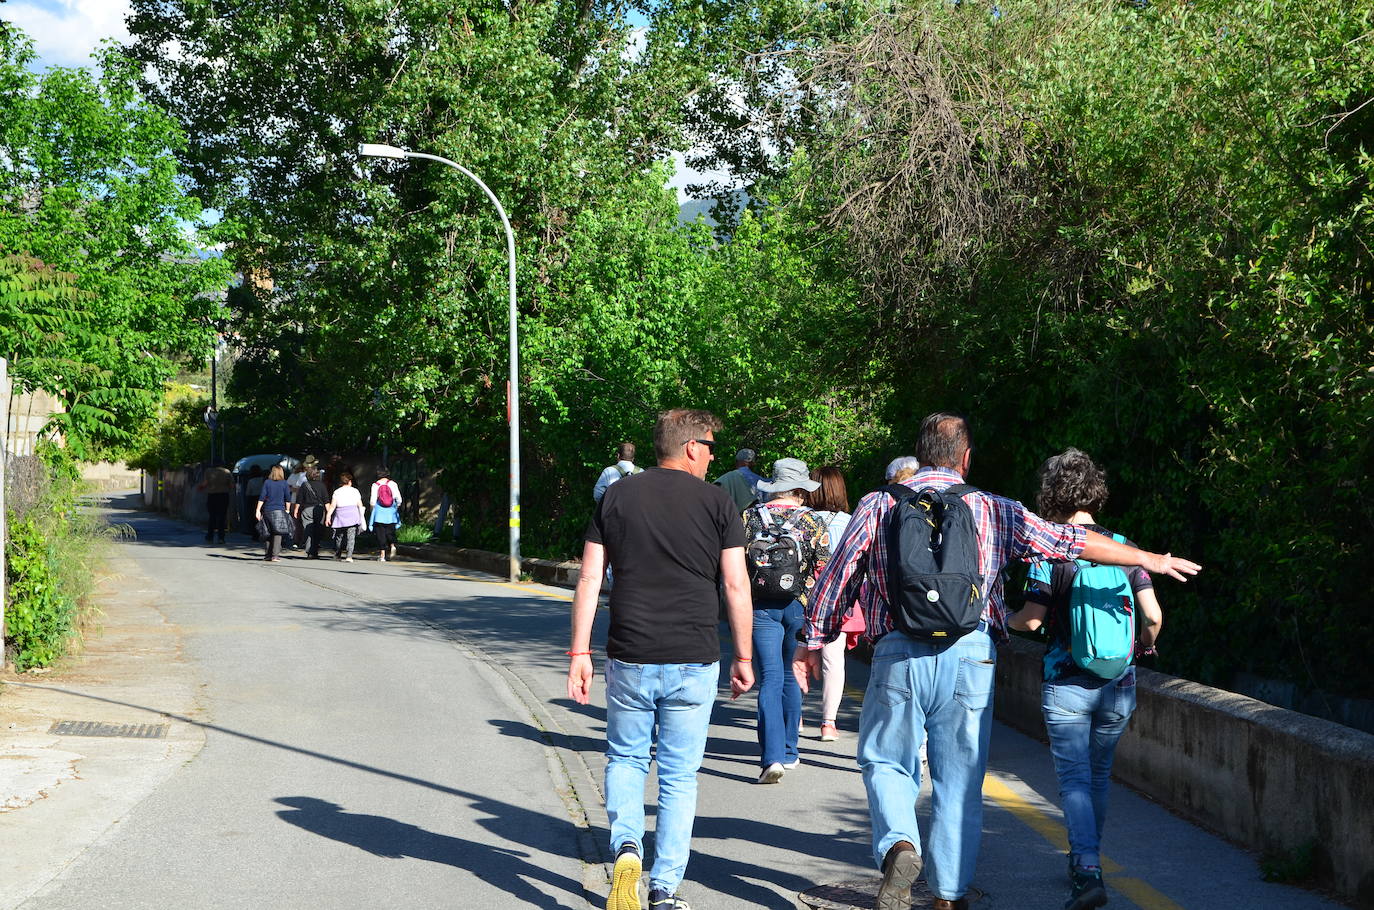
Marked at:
<point>1084,725</point>
<point>943,692</point>
<point>678,698</point>
<point>780,700</point>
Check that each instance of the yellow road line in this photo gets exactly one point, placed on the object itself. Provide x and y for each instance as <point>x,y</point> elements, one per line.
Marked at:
<point>1138,891</point>
<point>539,591</point>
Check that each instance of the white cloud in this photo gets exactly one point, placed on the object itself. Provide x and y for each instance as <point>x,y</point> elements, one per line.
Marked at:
<point>65,32</point>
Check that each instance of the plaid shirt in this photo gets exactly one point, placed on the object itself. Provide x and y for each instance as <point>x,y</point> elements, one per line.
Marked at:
<point>1006,529</point>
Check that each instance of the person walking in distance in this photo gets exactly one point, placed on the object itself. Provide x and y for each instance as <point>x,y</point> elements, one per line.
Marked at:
<point>624,467</point>
<point>1089,690</point>
<point>309,501</point>
<point>670,536</point>
<point>271,511</point>
<point>933,549</point>
<point>788,544</point>
<point>386,513</point>
<point>293,484</point>
<point>217,483</point>
<point>345,515</point>
<point>742,483</point>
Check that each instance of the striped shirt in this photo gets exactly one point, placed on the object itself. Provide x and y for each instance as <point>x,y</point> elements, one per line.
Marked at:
<point>1006,530</point>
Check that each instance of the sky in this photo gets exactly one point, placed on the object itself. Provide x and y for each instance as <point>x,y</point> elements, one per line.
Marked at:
<point>65,32</point>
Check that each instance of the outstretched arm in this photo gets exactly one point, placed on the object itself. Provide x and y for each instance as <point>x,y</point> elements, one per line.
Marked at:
<point>1100,548</point>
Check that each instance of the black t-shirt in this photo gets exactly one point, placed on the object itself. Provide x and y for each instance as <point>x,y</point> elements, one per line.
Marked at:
<point>312,493</point>
<point>664,531</point>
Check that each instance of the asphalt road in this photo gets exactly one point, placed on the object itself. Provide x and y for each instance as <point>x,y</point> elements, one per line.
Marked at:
<point>397,735</point>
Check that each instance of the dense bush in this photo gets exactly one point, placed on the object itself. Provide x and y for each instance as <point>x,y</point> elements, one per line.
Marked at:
<point>50,557</point>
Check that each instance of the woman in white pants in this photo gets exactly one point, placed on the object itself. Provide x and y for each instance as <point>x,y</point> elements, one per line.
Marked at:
<point>831,501</point>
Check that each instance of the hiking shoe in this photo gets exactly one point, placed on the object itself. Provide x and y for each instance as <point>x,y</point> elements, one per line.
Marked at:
<point>772,774</point>
<point>901,868</point>
<point>828,733</point>
<point>625,879</point>
<point>662,900</point>
<point>1088,890</point>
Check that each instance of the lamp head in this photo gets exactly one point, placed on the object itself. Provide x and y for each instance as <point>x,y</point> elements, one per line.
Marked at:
<point>376,150</point>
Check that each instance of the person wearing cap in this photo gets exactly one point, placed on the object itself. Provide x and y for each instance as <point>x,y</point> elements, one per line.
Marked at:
<point>741,483</point>
<point>777,620</point>
<point>293,484</point>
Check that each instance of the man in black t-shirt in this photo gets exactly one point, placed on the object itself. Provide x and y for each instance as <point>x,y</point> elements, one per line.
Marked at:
<point>669,536</point>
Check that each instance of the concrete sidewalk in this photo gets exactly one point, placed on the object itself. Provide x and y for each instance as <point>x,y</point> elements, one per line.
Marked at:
<point>64,793</point>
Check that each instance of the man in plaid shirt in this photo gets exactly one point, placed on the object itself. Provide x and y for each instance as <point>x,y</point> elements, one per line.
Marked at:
<point>940,690</point>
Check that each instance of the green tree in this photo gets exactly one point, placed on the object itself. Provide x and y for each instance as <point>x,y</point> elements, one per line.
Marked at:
<point>89,185</point>
<point>374,305</point>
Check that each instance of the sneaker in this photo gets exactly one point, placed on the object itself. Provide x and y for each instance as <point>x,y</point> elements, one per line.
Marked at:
<point>662,900</point>
<point>381,559</point>
<point>348,559</point>
<point>828,732</point>
<point>625,879</point>
<point>789,765</point>
<point>772,774</point>
<point>1088,890</point>
<point>901,868</point>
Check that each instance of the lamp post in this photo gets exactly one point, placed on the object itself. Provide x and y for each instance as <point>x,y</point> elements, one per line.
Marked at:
<point>374,150</point>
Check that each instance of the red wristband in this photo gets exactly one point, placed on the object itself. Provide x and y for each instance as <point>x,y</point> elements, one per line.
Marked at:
<point>578,653</point>
<point>745,660</point>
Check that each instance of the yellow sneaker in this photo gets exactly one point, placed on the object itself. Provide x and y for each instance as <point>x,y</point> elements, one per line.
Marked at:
<point>625,879</point>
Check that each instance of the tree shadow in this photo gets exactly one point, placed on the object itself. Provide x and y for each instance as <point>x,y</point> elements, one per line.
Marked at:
<point>508,869</point>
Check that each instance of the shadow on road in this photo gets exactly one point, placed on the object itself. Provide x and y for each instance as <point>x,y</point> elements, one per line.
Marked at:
<point>504,868</point>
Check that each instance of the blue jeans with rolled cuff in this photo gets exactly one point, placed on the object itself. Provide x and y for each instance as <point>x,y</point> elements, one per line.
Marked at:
<point>1085,721</point>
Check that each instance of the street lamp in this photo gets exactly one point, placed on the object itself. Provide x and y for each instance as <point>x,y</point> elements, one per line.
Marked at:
<point>375,150</point>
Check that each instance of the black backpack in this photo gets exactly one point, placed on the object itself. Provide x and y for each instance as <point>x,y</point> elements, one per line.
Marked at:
<point>934,586</point>
<point>777,563</point>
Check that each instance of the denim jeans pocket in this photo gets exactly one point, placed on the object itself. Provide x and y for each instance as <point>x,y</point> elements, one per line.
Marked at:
<point>622,679</point>
<point>973,687</point>
<point>889,681</point>
<point>1124,691</point>
<point>699,682</point>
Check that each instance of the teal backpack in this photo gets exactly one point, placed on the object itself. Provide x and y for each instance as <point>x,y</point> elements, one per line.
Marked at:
<point>1101,617</point>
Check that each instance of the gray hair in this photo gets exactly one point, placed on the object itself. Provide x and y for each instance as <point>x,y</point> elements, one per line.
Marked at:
<point>901,463</point>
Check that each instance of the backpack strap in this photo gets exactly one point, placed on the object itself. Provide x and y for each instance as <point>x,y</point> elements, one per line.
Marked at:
<point>898,491</point>
<point>960,489</point>
<point>765,520</point>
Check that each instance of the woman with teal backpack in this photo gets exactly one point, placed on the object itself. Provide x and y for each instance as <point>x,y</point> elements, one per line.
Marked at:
<point>1090,614</point>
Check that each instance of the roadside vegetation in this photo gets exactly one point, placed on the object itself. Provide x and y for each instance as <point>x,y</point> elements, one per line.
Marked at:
<point>1136,228</point>
<point>55,546</point>
<point>104,289</point>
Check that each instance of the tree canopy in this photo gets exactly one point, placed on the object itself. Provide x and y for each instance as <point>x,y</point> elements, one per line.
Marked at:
<point>1136,228</point>
<point>104,289</point>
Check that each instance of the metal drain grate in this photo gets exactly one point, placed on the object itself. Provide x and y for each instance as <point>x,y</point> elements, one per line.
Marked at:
<point>96,728</point>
